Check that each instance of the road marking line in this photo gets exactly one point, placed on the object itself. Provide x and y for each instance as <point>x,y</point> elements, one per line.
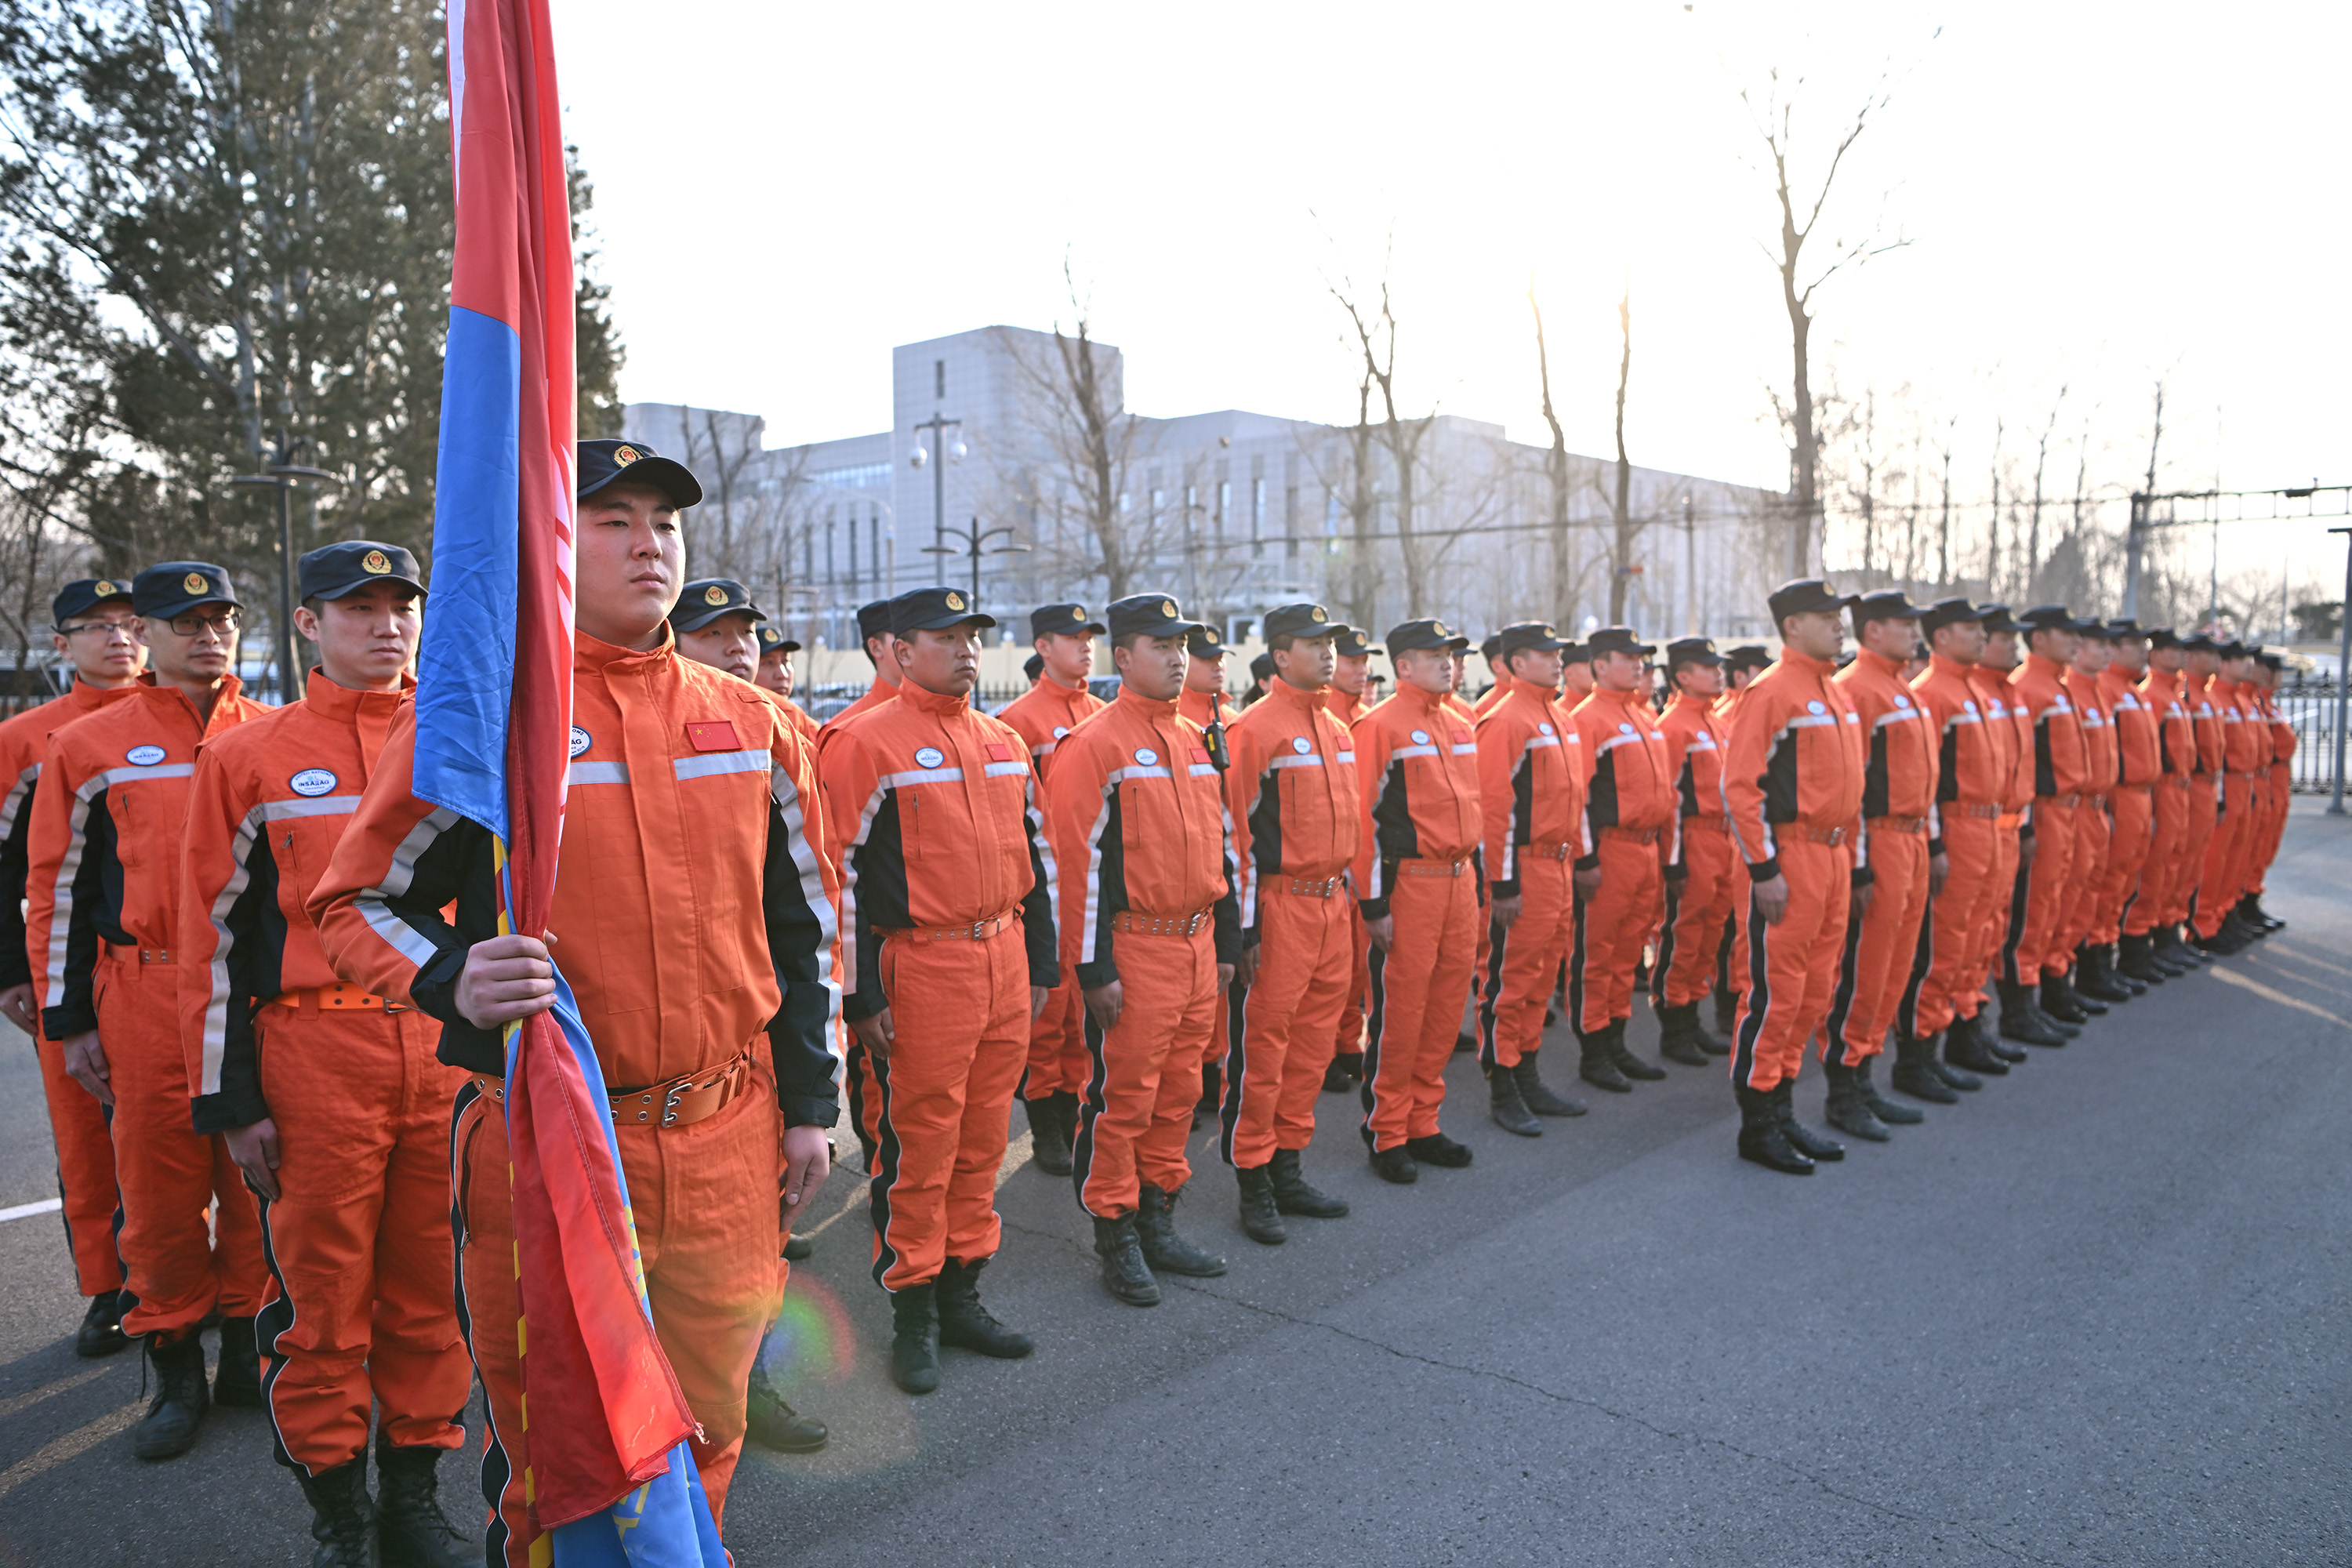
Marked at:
<point>2229,977</point>
<point>2289,974</point>
<point>27,1211</point>
<point>79,1441</point>
<point>2301,956</point>
<point>9,1406</point>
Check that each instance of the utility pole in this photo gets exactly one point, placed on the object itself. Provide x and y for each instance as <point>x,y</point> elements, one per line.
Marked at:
<point>281,477</point>
<point>938,424</point>
<point>2343,670</point>
<point>1690,572</point>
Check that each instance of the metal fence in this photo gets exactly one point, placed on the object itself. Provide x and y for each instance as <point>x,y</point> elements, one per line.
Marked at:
<point>2311,709</point>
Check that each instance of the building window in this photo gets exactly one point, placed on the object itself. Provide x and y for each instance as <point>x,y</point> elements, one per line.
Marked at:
<point>873,548</point>
<point>829,577</point>
<point>1257,509</point>
<point>853,551</point>
<point>938,378</point>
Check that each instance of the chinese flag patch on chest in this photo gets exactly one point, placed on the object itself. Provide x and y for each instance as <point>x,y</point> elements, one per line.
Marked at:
<point>999,752</point>
<point>714,735</point>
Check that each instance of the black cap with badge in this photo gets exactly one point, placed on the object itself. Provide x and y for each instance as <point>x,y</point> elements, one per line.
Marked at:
<point>1203,642</point>
<point>772,640</point>
<point>83,594</point>
<point>605,462</point>
<point>1617,639</point>
<point>1148,615</point>
<point>1949,612</point>
<point>1407,636</point>
<point>1693,650</point>
<point>1062,621</point>
<point>333,570</point>
<point>1747,656</point>
<point>1886,604</point>
<point>1300,621</point>
<point>1805,595</point>
<point>1354,642</point>
<point>2122,627</point>
<point>2048,618</point>
<point>874,620</point>
<point>2161,638</point>
<point>1998,619</point>
<point>706,599</point>
<point>1490,646</point>
<point>1530,636</point>
<point>933,609</point>
<point>174,587</point>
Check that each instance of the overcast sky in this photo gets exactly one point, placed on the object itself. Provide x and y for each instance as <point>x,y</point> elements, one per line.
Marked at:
<point>2093,195</point>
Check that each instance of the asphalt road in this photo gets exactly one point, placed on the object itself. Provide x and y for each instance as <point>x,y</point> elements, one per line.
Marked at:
<point>2097,1313</point>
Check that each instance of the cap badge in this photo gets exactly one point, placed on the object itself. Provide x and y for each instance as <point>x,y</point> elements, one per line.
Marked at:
<point>1550,633</point>
<point>625,455</point>
<point>1315,613</point>
<point>1209,635</point>
<point>930,757</point>
<point>144,756</point>
<point>1146,756</point>
<point>955,600</point>
<point>1077,612</point>
<point>311,781</point>
<point>195,583</point>
<point>1439,628</point>
<point>714,594</point>
<point>580,740</point>
<point>1299,743</point>
<point>376,562</point>
<point>105,590</point>
<point>1168,608</point>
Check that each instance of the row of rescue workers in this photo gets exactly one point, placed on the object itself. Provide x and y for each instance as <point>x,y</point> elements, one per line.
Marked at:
<point>268,991</point>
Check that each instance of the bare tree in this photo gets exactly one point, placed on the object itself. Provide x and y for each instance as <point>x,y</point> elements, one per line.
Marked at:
<point>1565,576</point>
<point>2032,565</point>
<point>1075,404</point>
<point>1774,121</point>
<point>1992,513</point>
<point>1944,523</point>
<point>1399,438</point>
<point>1624,532</point>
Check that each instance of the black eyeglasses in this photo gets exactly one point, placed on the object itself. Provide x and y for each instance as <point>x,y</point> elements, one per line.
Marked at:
<point>121,628</point>
<point>189,625</point>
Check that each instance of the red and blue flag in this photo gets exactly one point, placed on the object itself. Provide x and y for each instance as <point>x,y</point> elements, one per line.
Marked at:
<point>608,1471</point>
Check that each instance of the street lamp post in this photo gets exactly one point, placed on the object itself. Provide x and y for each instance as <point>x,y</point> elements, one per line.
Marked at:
<point>938,424</point>
<point>281,477</point>
<point>1690,572</point>
<point>2343,671</point>
<point>975,545</point>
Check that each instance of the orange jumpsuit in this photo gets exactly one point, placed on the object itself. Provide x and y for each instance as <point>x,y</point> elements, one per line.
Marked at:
<point>1976,758</point>
<point>102,886</point>
<point>2150,905</point>
<point>1291,793</point>
<point>365,1310</point>
<point>2061,772</point>
<point>2131,804</point>
<point>1417,767</point>
<point>1999,954</point>
<point>1492,695</point>
<point>92,1208</point>
<point>1900,834</point>
<point>1793,783</point>
<point>1212,711</point>
<point>1044,714</point>
<point>1531,781</point>
<point>2093,829</point>
<point>1631,811</point>
<point>880,693</point>
<point>947,921</point>
<point>1699,861</point>
<point>2204,793</point>
<point>694,915</point>
<point>2245,762</point>
<point>1348,1040</point>
<point>1136,814</point>
<point>2280,786</point>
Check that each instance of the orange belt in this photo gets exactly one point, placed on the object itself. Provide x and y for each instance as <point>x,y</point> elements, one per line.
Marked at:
<point>121,955</point>
<point>1830,835</point>
<point>1633,834</point>
<point>1304,887</point>
<point>2069,801</point>
<point>979,930</point>
<point>1956,809</point>
<point>1899,824</point>
<point>336,999</point>
<point>1427,867</point>
<point>680,1102</point>
<point>1712,823</point>
<point>1135,924</point>
<point>1559,851</point>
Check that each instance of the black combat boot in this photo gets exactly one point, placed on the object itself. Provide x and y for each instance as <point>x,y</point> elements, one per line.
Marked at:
<point>1627,1062</point>
<point>1124,1273</point>
<point>2062,986</point>
<point>1163,1249</point>
<point>2251,911</point>
<point>798,1248</point>
<point>2177,950</point>
<point>2139,962</point>
<point>1967,1049</point>
<point>2021,1021</point>
<point>2110,969</point>
<point>1396,1166</point>
<point>416,1533</point>
<point>1815,1146</point>
<point>772,1422</point>
<point>1537,1095</point>
<point>1727,1015</point>
<point>1595,1066</point>
<point>1711,1044</point>
<point>236,1382</point>
<point>1848,1111</point>
<point>1678,1036</point>
<point>2224,941</point>
<point>1440,1150</point>
<point>1261,1221</point>
<point>1292,1195</point>
<point>1049,1151</point>
<point>343,1519</point>
<point>1980,1029</point>
<point>915,1337</point>
<point>2247,934</point>
<point>1914,1071</point>
<point>1346,1071</point>
<point>181,1397</point>
<point>967,1325</point>
<point>1893,1113</point>
<point>1761,1137</point>
<point>2095,975</point>
<point>101,1333</point>
<point>1510,1111</point>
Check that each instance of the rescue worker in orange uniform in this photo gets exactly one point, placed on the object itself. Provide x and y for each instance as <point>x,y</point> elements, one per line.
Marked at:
<point>1064,635</point>
<point>96,637</point>
<point>1532,773</point>
<point>2036,955</point>
<point>2093,980</point>
<point>716,625</point>
<point>874,632</point>
<point>681,779</point>
<point>333,1101</point>
<point>1352,694</point>
<point>1740,667</point>
<point>2279,785</point>
<point>1151,928</point>
<point>2246,760</point>
<point>1497,671</point>
<point>948,954</point>
<point>101,935</point>
<point>1205,702</point>
<point>2022,1018</point>
<point>1632,811</point>
<point>2132,809</point>
<point>1976,760</point>
<point>1416,887</point>
<point>1793,783</point>
<point>2201,662</point>
<point>2151,938</point>
<point>1699,864</point>
<point>1292,796</point>
<point>1900,857</point>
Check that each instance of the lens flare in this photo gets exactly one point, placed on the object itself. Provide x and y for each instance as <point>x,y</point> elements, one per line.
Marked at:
<point>813,1336</point>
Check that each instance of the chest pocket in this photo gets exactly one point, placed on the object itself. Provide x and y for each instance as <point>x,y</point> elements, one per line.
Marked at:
<point>147,813</point>
<point>303,846</point>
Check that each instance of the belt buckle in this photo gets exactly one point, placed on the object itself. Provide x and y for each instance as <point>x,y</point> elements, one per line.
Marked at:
<point>670,1103</point>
